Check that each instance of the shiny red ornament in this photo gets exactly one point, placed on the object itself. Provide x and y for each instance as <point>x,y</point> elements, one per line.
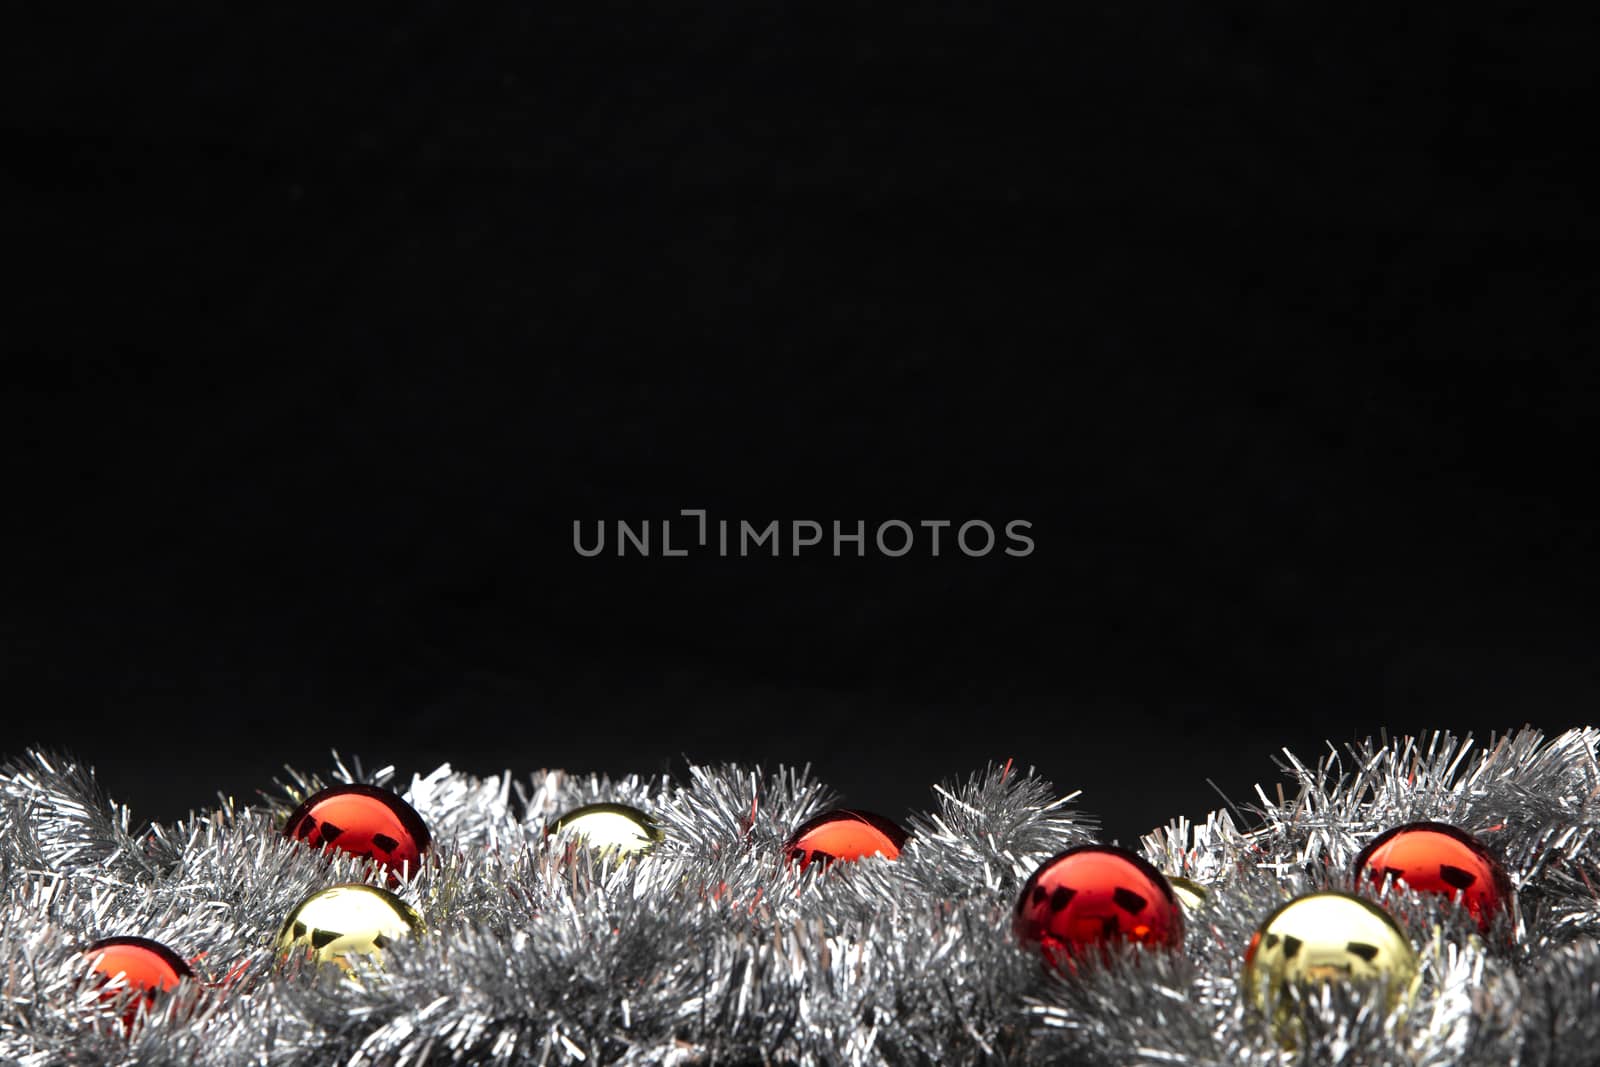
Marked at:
<point>843,834</point>
<point>362,820</point>
<point>1093,895</point>
<point>144,964</point>
<point>1435,857</point>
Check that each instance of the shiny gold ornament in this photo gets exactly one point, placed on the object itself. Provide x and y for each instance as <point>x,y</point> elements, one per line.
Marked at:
<point>609,828</point>
<point>1321,938</point>
<point>1191,894</point>
<point>347,920</point>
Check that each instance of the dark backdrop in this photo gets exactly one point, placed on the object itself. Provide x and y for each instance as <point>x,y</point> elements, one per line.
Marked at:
<point>1273,322</point>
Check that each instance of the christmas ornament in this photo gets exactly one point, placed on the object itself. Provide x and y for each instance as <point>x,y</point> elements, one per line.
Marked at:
<point>1325,937</point>
<point>1094,895</point>
<point>362,820</point>
<point>1434,857</point>
<point>609,828</point>
<point>142,964</point>
<point>345,920</point>
<point>843,834</point>
<point>1191,894</point>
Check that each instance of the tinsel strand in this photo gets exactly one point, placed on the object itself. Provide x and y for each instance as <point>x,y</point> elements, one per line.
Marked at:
<point>713,949</point>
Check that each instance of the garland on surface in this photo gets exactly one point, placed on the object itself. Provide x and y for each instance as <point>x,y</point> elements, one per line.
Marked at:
<point>714,948</point>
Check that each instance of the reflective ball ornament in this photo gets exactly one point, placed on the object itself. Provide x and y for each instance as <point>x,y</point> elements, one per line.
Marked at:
<point>334,924</point>
<point>845,834</point>
<point>1434,857</point>
<point>142,964</point>
<point>1191,894</point>
<point>1324,938</point>
<point>614,829</point>
<point>362,820</point>
<point>1093,895</point>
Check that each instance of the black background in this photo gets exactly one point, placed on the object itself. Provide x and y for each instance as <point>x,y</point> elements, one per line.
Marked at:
<point>1275,324</point>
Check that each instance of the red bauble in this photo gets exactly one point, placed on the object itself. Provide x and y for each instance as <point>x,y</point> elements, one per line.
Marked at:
<point>362,820</point>
<point>843,834</point>
<point>1434,857</point>
<point>1093,895</point>
<point>144,964</point>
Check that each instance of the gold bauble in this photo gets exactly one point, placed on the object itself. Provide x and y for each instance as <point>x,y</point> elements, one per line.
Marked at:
<point>1191,894</point>
<point>1323,938</point>
<point>347,920</point>
<point>609,828</point>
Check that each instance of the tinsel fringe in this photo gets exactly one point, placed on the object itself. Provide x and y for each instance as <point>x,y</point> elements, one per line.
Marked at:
<point>712,950</point>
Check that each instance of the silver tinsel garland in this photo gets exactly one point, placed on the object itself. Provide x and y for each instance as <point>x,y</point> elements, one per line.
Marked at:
<point>713,950</point>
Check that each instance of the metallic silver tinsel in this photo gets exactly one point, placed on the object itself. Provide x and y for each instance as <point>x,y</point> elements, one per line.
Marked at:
<point>713,950</point>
